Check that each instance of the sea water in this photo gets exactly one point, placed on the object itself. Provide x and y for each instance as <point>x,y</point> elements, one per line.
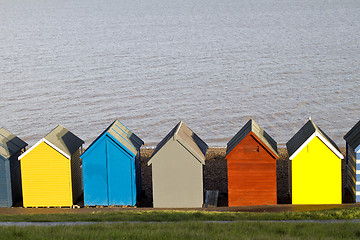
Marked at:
<point>151,63</point>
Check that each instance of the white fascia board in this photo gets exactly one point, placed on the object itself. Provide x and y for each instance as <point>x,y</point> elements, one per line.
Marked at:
<point>57,149</point>
<point>324,140</point>
<point>150,161</point>
<point>329,145</point>
<point>48,143</point>
<point>175,137</point>
<point>302,146</point>
<point>30,149</point>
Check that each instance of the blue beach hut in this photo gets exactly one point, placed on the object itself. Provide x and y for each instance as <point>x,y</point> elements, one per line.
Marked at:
<point>111,168</point>
<point>10,177</point>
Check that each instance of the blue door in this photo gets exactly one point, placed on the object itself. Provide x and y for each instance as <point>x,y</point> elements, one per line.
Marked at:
<point>120,175</point>
<point>95,175</point>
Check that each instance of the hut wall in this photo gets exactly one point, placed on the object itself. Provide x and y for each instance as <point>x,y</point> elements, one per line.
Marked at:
<point>109,174</point>
<point>316,175</point>
<point>251,174</point>
<point>76,176</point>
<point>177,178</point>
<point>46,178</point>
<point>5,184</point>
<point>15,178</point>
<point>351,176</point>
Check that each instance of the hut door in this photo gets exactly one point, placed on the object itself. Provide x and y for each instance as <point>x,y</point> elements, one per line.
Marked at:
<point>119,175</point>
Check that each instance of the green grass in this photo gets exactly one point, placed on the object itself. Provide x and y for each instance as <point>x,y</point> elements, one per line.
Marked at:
<point>173,216</point>
<point>189,230</point>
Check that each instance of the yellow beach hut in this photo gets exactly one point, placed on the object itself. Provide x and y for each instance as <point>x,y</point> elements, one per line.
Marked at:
<point>315,167</point>
<point>50,170</point>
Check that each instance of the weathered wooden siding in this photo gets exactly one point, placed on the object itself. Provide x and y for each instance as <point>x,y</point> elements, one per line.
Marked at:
<point>15,178</point>
<point>5,184</point>
<point>46,178</point>
<point>251,174</point>
<point>76,176</point>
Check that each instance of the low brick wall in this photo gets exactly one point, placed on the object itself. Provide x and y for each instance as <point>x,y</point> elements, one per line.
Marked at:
<point>215,176</point>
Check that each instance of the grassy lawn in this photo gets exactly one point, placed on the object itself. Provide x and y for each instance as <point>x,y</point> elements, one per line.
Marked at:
<point>172,216</point>
<point>189,230</point>
<point>188,225</point>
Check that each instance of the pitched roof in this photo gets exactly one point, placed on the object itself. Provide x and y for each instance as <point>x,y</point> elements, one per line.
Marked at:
<point>305,135</point>
<point>188,139</point>
<point>122,134</point>
<point>252,126</point>
<point>9,143</point>
<point>63,139</point>
<point>353,136</point>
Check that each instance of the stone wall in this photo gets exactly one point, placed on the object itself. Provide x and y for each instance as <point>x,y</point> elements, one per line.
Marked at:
<point>215,176</point>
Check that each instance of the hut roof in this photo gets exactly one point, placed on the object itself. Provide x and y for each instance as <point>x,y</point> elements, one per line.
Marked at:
<point>61,140</point>
<point>252,126</point>
<point>122,134</point>
<point>9,143</point>
<point>353,137</point>
<point>188,139</point>
<point>305,135</point>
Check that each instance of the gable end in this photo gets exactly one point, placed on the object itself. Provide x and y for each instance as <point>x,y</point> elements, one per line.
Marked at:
<point>323,139</point>
<point>48,143</point>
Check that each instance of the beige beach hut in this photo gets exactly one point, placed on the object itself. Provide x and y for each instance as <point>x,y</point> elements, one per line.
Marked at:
<point>177,169</point>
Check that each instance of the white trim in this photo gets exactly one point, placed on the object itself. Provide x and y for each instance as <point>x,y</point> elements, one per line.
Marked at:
<point>302,146</point>
<point>357,172</point>
<point>177,130</point>
<point>357,161</point>
<point>324,140</point>
<point>57,149</point>
<point>357,183</point>
<point>30,149</point>
<point>357,193</point>
<point>48,143</point>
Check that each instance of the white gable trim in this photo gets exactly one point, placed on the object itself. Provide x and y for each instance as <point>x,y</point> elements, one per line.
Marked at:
<point>332,148</point>
<point>324,140</point>
<point>57,149</point>
<point>177,131</point>
<point>48,143</point>
<point>30,149</point>
<point>302,146</point>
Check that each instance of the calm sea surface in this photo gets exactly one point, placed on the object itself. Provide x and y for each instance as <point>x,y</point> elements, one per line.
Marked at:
<point>212,64</point>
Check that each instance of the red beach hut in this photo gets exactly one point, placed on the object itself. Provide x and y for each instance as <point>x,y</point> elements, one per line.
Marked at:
<point>251,158</point>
